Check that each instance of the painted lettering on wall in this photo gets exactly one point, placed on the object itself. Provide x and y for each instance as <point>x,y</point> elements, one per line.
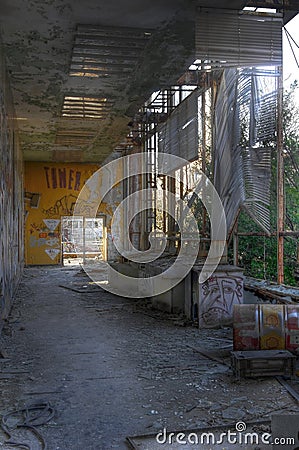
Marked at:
<point>64,178</point>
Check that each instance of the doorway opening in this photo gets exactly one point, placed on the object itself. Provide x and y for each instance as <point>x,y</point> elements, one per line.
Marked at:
<point>82,239</point>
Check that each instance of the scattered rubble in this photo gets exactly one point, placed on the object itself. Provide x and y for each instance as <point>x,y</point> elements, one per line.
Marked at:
<point>114,367</point>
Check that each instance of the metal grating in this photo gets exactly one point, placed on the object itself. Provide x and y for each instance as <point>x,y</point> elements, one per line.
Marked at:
<point>85,107</point>
<point>101,51</point>
<point>232,38</point>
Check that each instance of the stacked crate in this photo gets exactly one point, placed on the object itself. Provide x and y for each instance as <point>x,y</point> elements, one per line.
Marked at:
<point>259,363</point>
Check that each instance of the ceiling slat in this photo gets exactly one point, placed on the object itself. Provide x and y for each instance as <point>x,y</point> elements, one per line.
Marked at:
<point>121,47</point>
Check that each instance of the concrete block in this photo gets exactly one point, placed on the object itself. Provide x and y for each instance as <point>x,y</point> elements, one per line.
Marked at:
<point>285,427</point>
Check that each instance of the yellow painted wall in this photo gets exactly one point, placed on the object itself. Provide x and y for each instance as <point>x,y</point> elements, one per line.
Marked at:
<point>58,185</point>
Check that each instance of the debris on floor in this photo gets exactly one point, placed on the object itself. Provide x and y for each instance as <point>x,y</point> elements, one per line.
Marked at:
<point>21,426</point>
<point>212,438</point>
<point>113,367</point>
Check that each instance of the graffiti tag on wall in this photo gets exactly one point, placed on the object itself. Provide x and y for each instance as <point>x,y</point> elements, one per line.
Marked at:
<point>218,295</point>
<point>62,207</point>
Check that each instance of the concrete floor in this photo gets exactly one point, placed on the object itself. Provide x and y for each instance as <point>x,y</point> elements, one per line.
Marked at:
<point>112,367</point>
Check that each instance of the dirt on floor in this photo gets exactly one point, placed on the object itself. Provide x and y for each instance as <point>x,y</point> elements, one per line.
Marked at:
<point>84,369</point>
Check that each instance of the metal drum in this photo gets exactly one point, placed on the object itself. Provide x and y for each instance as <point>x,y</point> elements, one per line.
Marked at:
<point>272,327</point>
<point>292,328</point>
<point>246,327</point>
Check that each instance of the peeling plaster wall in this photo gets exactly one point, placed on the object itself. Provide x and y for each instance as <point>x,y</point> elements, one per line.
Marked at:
<point>11,196</point>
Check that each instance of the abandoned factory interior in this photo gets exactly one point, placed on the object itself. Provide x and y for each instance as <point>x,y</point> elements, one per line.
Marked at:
<point>149,254</point>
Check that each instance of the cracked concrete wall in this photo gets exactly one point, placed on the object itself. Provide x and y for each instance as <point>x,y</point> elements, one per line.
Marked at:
<point>11,196</point>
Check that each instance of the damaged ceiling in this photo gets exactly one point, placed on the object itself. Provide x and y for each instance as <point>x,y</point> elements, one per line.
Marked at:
<point>80,70</point>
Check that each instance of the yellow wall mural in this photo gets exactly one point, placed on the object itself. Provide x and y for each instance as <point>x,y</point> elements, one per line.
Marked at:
<point>51,191</point>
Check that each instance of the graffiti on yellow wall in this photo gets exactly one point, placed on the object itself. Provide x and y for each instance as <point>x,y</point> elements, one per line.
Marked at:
<point>58,186</point>
<point>64,206</point>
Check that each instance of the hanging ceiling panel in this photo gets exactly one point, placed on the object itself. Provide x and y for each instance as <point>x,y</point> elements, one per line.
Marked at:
<point>232,38</point>
<point>179,134</point>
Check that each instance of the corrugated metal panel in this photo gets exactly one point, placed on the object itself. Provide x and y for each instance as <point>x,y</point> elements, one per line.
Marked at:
<point>267,117</point>
<point>226,38</point>
<point>258,105</point>
<point>258,100</point>
<point>257,175</point>
<point>228,178</point>
<point>244,120</point>
<point>179,134</point>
